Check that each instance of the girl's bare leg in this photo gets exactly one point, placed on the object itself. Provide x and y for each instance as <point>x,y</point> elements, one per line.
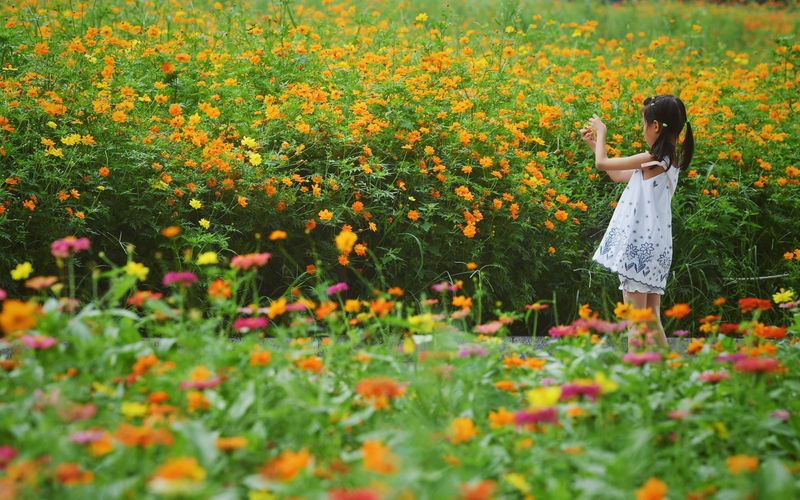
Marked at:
<point>639,301</point>
<point>654,303</point>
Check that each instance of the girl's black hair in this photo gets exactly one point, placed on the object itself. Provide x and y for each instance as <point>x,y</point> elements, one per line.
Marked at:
<point>670,112</point>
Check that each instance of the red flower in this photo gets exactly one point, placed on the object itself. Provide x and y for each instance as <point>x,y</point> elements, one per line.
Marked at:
<point>748,304</point>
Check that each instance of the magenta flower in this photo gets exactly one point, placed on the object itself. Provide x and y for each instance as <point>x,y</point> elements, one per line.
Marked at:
<point>338,287</point>
<point>640,358</point>
<point>249,260</point>
<point>789,305</point>
<point>183,278</point>
<point>251,310</point>
<point>244,325</point>
<point>548,381</point>
<point>3,294</point>
<point>523,417</point>
<point>7,454</point>
<point>38,341</point>
<point>488,328</point>
<point>69,245</point>
<point>680,333</point>
<point>571,390</point>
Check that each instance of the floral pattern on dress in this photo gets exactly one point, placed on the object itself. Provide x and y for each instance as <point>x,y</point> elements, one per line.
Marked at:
<point>639,256</point>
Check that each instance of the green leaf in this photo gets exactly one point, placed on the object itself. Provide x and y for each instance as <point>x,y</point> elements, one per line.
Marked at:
<point>243,402</point>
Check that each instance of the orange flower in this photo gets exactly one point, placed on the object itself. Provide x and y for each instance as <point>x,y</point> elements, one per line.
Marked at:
<point>259,357</point>
<point>277,235</point>
<point>197,401</point>
<point>219,289</point>
<point>653,489</point>
<point>379,390</point>
<point>500,418</point>
<point>381,307</point>
<point>69,473</point>
<point>482,490</point>
<point>506,385</point>
<point>287,465</point>
<point>413,215</point>
<point>741,463</point>
<point>171,231</point>
<point>18,315</point>
<point>181,468</point>
<point>561,215</point>
<point>310,363</point>
<point>231,443</point>
<point>377,458</point>
<point>103,172</point>
<point>678,311</point>
<point>462,430</point>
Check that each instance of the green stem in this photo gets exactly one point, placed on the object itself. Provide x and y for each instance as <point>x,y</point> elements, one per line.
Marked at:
<point>71,273</point>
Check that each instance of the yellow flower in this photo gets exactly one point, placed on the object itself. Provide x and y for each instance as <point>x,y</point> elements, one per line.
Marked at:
<point>421,17</point>
<point>195,203</point>
<point>206,258</point>
<point>408,345</point>
<point>255,158</point>
<point>783,296</point>
<point>543,397</point>
<point>605,383</point>
<point>132,410</point>
<point>622,310</point>
<point>260,495</point>
<point>204,223</point>
<point>345,241</point>
<point>102,389</point>
<point>136,269</point>
<point>52,124</point>
<point>249,142</point>
<point>518,481</point>
<point>22,271</point>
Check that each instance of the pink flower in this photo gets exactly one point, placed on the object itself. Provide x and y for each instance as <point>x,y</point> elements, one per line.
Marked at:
<point>562,331</point>
<point>443,285</point>
<point>680,333</point>
<point>471,350</point>
<point>789,305</point>
<point>3,294</point>
<point>38,341</point>
<point>756,364</point>
<point>354,494</point>
<point>548,381</point>
<point>488,328</point>
<point>780,414</point>
<point>730,358</point>
<point>249,260</point>
<point>244,325</point>
<point>712,376</point>
<point>600,325</point>
<point>183,278</point>
<point>338,287</point>
<point>571,390</point>
<point>678,414</point>
<point>296,306</point>
<point>86,437</point>
<point>201,384</point>
<point>67,246</point>
<point>523,417</point>
<point>640,358</point>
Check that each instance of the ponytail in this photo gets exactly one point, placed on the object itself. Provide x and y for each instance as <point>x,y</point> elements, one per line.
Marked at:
<point>687,147</point>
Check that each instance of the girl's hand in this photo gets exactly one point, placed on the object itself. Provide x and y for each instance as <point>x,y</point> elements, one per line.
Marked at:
<point>597,124</point>
<point>587,134</point>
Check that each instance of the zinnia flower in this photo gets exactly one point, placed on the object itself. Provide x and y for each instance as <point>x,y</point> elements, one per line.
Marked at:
<point>244,325</point>
<point>69,245</point>
<point>523,417</point>
<point>183,278</point>
<point>338,287</point>
<point>246,261</point>
<point>38,341</point>
<point>640,358</point>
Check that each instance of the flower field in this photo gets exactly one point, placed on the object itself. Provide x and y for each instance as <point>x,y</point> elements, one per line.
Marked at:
<point>273,249</point>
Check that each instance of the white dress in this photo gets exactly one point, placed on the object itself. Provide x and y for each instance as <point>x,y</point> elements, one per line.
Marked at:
<point>637,244</point>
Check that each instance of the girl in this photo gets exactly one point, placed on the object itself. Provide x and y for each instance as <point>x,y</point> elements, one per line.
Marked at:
<point>638,242</point>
